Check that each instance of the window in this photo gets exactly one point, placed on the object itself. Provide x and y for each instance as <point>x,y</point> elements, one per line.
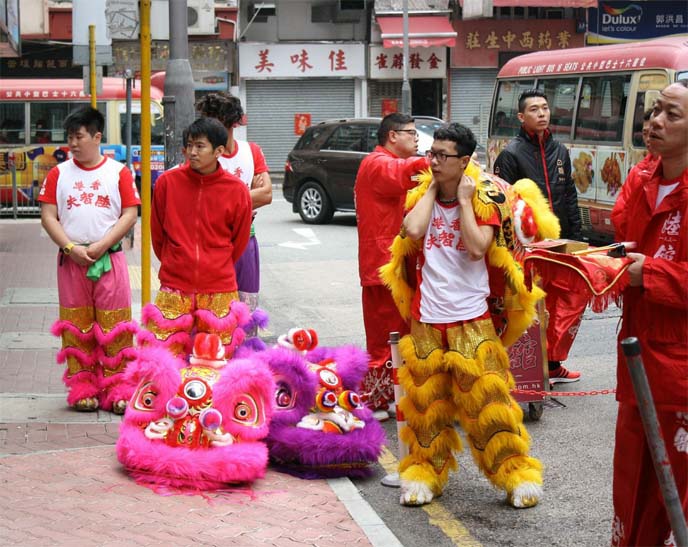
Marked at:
<point>311,135</point>
<point>561,96</point>
<point>602,108</point>
<point>637,139</point>
<point>371,143</point>
<point>505,121</point>
<point>347,137</point>
<point>157,123</point>
<point>657,81</point>
<point>47,119</point>
<point>11,123</point>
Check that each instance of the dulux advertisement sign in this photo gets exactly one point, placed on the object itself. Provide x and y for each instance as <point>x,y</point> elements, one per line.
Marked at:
<point>613,22</point>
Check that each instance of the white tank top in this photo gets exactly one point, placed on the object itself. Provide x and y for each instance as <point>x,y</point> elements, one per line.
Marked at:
<point>239,164</point>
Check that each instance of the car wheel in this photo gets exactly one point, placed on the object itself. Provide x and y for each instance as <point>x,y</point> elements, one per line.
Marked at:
<point>313,204</point>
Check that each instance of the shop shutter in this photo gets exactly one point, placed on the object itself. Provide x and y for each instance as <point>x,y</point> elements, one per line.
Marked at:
<point>271,105</point>
<point>471,98</point>
<point>382,89</point>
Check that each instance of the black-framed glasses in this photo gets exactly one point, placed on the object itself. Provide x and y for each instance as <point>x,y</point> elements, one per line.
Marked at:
<point>441,156</point>
<point>411,132</point>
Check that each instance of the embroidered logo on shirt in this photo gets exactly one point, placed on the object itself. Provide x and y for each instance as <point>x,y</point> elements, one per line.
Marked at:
<point>672,224</point>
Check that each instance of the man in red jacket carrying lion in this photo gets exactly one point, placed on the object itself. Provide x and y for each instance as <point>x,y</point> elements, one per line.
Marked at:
<point>383,179</point>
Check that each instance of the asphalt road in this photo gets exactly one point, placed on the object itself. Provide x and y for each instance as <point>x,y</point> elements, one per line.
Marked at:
<point>310,279</point>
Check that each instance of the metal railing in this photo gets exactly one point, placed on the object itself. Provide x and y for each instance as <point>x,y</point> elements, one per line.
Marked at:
<point>19,189</point>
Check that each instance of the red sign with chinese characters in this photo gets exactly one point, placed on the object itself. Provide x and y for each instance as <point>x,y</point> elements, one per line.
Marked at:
<point>302,121</point>
<point>480,42</point>
<point>389,106</point>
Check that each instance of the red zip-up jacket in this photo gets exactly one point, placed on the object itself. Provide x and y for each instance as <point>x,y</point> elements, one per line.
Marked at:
<point>379,193</point>
<point>657,312</point>
<point>200,226</point>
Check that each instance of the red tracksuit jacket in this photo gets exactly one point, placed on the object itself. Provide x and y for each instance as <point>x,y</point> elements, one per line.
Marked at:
<point>200,226</point>
<point>657,312</point>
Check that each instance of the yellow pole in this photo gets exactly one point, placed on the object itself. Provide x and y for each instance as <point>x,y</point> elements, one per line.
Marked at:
<point>92,63</point>
<point>145,152</point>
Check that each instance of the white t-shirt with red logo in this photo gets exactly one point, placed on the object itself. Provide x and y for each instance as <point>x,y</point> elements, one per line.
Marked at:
<point>246,161</point>
<point>451,286</point>
<point>89,199</point>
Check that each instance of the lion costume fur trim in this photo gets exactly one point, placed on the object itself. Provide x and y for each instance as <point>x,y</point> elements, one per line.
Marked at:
<point>519,300</point>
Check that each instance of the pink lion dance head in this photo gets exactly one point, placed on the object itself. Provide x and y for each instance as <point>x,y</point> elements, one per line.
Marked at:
<point>196,424</point>
<point>320,428</point>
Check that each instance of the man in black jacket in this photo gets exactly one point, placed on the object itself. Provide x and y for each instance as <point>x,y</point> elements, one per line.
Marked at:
<point>534,154</point>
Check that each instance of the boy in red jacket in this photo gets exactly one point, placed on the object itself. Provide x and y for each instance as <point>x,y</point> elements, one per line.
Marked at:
<point>200,226</point>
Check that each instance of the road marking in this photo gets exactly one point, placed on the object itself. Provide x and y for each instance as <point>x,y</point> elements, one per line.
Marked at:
<point>135,278</point>
<point>438,515</point>
<point>308,234</point>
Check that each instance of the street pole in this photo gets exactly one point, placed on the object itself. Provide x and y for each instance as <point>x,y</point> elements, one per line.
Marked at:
<point>655,441</point>
<point>405,86</point>
<point>128,74</point>
<point>92,64</point>
<point>179,81</point>
<point>145,7</point>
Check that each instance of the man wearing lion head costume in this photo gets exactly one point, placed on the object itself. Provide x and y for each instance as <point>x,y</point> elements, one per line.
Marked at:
<point>464,229</point>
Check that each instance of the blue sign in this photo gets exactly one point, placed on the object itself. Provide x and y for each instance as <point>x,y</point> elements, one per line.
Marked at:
<point>614,22</point>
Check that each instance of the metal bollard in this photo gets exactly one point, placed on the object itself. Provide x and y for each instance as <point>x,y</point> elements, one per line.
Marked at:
<point>13,171</point>
<point>393,480</point>
<point>660,459</point>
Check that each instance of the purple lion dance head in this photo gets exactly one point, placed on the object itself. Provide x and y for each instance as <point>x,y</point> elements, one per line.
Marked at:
<point>319,427</point>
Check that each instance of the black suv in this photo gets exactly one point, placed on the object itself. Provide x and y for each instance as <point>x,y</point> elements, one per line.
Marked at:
<point>321,170</point>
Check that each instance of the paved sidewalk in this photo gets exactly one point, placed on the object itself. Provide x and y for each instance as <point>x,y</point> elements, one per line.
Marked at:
<point>60,478</point>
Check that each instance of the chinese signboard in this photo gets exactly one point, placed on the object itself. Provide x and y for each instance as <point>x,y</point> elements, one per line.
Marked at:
<point>388,63</point>
<point>304,60</point>
<point>55,93</point>
<point>615,62</point>
<point>49,62</point>
<point>480,42</point>
<point>203,56</point>
<point>614,22</point>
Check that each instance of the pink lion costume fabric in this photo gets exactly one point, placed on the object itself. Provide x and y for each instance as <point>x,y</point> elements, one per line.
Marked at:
<point>196,425</point>
<point>320,428</point>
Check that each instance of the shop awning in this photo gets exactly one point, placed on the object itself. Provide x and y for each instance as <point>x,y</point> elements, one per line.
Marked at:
<point>543,3</point>
<point>424,31</point>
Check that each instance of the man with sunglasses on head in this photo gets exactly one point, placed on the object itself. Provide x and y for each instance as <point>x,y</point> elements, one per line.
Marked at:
<point>534,154</point>
<point>455,364</point>
<point>383,179</point>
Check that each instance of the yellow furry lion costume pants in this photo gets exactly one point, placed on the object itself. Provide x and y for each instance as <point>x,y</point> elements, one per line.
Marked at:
<point>461,371</point>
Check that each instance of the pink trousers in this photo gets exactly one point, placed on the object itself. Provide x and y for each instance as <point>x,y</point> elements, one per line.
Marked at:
<point>96,329</point>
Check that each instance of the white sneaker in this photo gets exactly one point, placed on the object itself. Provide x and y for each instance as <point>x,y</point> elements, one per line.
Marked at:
<point>381,415</point>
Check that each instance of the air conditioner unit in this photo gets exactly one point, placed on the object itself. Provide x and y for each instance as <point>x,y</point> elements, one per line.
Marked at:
<point>201,16</point>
